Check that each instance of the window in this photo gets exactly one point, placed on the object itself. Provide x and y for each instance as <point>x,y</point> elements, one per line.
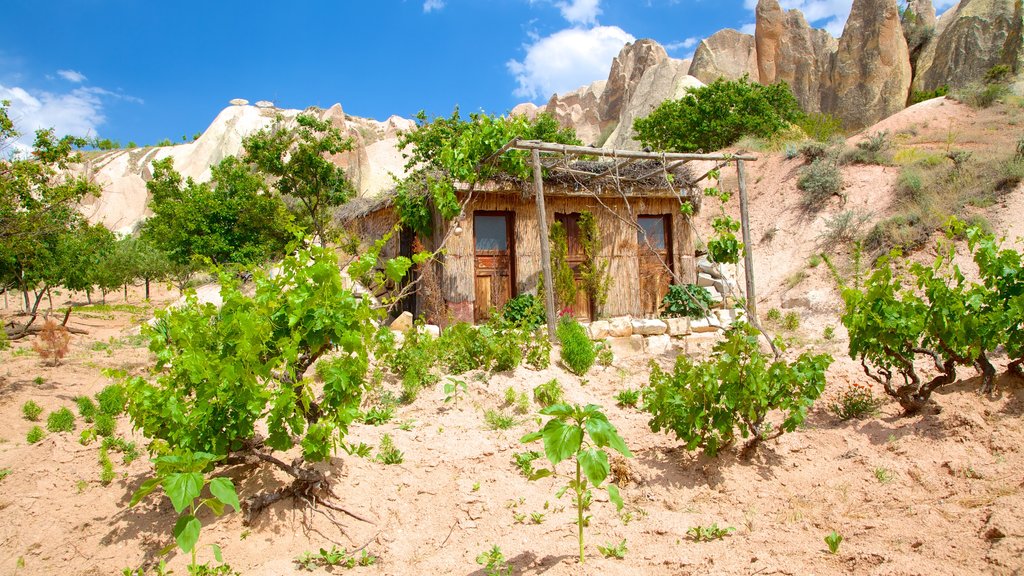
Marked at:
<point>491,232</point>
<point>654,229</point>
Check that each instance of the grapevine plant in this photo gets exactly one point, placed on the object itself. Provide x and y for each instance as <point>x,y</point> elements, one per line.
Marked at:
<point>223,375</point>
<point>705,403</point>
<point>932,311</point>
<point>580,433</point>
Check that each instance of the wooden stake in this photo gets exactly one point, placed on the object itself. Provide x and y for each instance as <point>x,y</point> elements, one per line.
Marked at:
<point>545,248</point>
<point>748,253</point>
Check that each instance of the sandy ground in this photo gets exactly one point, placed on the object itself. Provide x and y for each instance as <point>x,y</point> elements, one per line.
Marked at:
<point>950,501</point>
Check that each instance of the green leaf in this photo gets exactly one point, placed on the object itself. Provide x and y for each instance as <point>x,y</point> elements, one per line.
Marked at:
<point>614,496</point>
<point>540,473</point>
<point>216,506</point>
<point>144,490</point>
<point>558,411</point>
<point>224,490</point>
<point>396,268</point>
<point>594,463</point>
<point>217,554</point>
<point>186,532</point>
<point>561,440</point>
<point>604,434</point>
<point>183,488</point>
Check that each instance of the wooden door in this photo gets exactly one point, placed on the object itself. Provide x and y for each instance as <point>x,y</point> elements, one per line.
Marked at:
<point>581,308</point>
<point>655,255</point>
<point>494,258</point>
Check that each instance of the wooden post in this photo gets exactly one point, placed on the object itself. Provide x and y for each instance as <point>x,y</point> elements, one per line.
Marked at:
<point>748,253</point>
<point>545,249</point>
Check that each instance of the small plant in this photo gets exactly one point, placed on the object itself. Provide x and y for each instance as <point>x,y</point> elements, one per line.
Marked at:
<point>4,473</point>
<point>628,397</point>
<point>856,401</point>
<point>517,400</point>
<point>548,393</point>
<point>128,449</point>
<point>773,315</point>
<point>106,467</point>
<point>883,475</point>
<point>791,321</point>
<point>519,518</point>
<point>605,356</point>
<point>494,562</point>
<point>60,421</point>
<point>379,415</point>
<point>580,433</point>
<point>406,425</point>
<point>35,434</point>
<point>819,181</point>
<point>832,540</point>
<point>86,408</point>
<point>334,557</point>
<point>180,475</point>
<point>536,517</point>
<point>31,411</point>
<point>577,349</point>
<point>498,420</point>
<point>686,300</point>
<point>39,380</point>
<point>476,487</point>
<point>708,533</point>
<point>871,150</point>
<point>829,333</point>
<point>525,310</point>
<point>452,389</point>
<point>524,461</point>
<point>361,450</point>
<point>53,342</point>
<point>105,425</point>
<point>613,550</point>
<point>388,453</point>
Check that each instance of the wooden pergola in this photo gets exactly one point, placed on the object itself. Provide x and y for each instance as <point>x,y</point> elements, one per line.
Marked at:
<point>557,158</point>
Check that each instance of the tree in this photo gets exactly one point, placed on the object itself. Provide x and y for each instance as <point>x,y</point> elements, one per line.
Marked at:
<point>232,219</point>
<point>295,160</point>
<point>594,272</point>
<point>712,117</point>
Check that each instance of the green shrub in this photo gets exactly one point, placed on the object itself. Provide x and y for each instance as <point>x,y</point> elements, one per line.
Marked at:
<point>821,127</point>
<point>105,425</point>
<point>920,96</point>
<point>1011,173</point>
<point>774,315</point>
<point>388,453</point>
<point>812,151</point>
<point>548,393</point>
<point>31,411</point>
<point>462,347</point>
<point>35,434</point>
<point>856,401</point>
<point>605,356</point>
<point>112,399</point>
<point>909,184</point>
<point>843,227</point>
<point>538,351</point>
<point>60,421</point>
<point>791,321</point>
<point>998,74</point>
<point>526,311</point>
<point>577,349</point>
<point>819,181</point>
<point>871,150</point>
<point>627,397</point>
<point>686,300</point>
<point>5,342</point>
<point>712,117</point>
<point>982,95</point>
<point>498,420</point>
<point>905,231</point>
<point>413,362</point>
<point>86,408</point>
<point>705,403</point>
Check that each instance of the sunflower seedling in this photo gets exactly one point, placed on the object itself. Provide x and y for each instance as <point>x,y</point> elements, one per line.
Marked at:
<point>708,533</point>
<point>180,474</point>
<point>613,550</point>
<point>580,433</point>
<point>833,539</point>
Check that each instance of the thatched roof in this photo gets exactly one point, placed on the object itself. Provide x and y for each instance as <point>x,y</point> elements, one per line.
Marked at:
<point>363,206</point>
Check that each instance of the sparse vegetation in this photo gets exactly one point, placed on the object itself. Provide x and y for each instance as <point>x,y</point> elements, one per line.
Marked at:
<point>874,149</point>
<point>627,398</point>
<point>819,181</point>
<point>548,393</point>
<point>577,349</point>
<point>53,342</point>
<point>387,452</point>
<point>494,562</point>
<point>60,421</point>
<point>31,411</point>
<point>708,533</point>
<point>855,401</point>
<point>35,434</point>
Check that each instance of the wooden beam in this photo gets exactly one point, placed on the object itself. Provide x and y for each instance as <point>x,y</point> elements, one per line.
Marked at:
<point>748,252</point>
<point>545,248</point>
<point>568,149</point>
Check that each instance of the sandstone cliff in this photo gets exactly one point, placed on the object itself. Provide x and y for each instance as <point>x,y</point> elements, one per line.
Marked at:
<point>725,54</point>
<point>789,50</point>
<point>123,174</point>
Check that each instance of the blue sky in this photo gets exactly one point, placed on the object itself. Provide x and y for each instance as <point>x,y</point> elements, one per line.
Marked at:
<point>139,70</point>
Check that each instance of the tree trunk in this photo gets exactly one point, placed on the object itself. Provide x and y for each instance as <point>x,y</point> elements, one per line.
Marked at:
<point>147,289</point>
<point>126,292</point>
<point>88,295</point>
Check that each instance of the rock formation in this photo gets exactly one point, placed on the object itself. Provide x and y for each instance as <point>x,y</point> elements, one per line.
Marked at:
<point>123,174</point>
<point>580,109</point>
<point>870,74</point>
<point>666,80</point>
<point>726,54</point>
<point>789,50</point>
<point>627,70</point>
<point>971,38</point>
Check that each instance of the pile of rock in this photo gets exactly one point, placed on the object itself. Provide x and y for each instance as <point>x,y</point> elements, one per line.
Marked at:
<point>629,336</point>
<point>711,277</point>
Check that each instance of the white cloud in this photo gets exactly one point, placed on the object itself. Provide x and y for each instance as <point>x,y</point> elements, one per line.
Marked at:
<point>748,28</point>
<point>76,113</point>
<point>828,14</point>
<point>72,76</point>
<point>567,60</point>
<point>684,44</point>
<point>580,12</point>
<point>432,5</point>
